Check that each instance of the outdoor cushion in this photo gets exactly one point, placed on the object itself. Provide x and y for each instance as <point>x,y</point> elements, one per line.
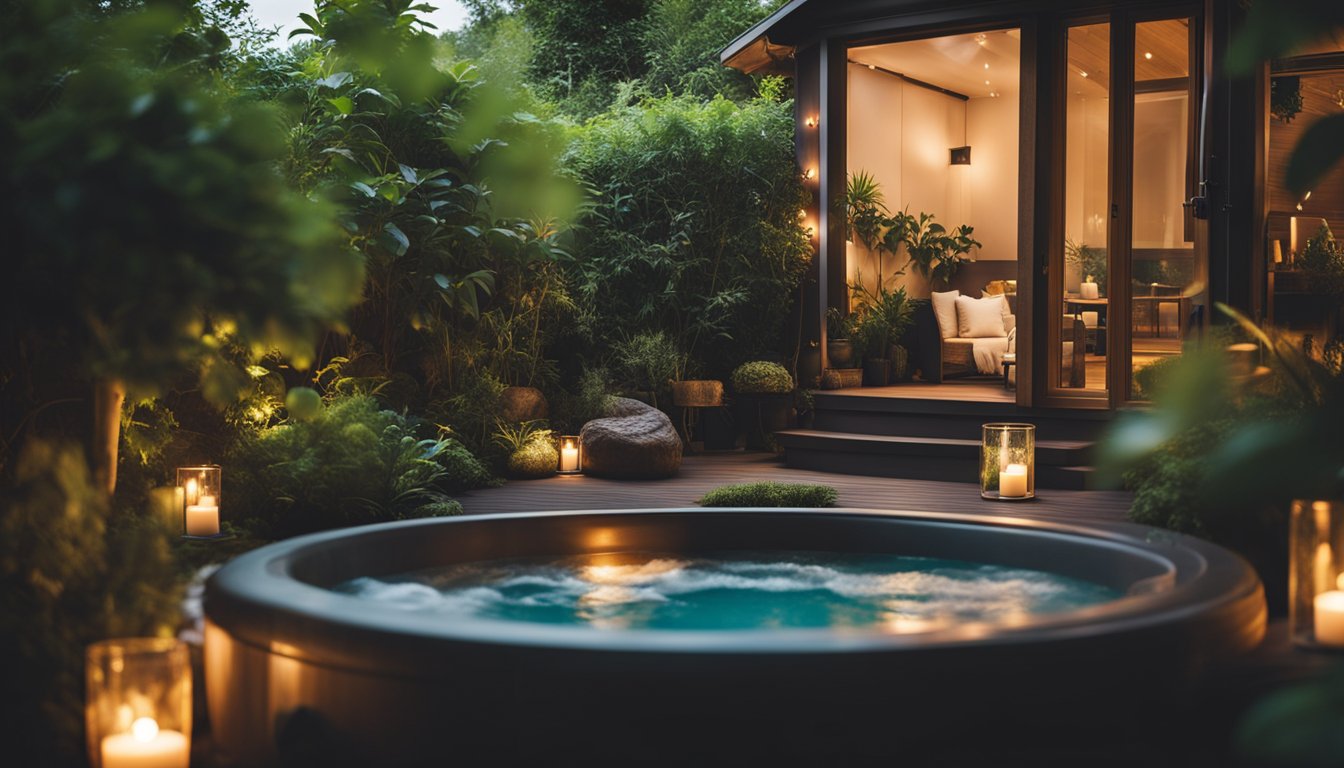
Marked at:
<point>632,440</point>
<point>980,318</point>
<point>945,311</point>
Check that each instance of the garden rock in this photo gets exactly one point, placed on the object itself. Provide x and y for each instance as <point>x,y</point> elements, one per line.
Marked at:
<point>634,440</point>
<point>522,404</point>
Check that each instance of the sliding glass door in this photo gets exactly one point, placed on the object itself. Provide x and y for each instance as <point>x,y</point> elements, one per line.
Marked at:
<point>1127,275</point>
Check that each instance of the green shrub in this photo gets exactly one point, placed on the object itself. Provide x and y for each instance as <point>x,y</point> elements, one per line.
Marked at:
<point>352,463</point>
<point>69,577</point>
<point>590,400</point>
<point>761,378</point>
<point>531,450</point>
<point>771,494</point>
<point>694,227</point>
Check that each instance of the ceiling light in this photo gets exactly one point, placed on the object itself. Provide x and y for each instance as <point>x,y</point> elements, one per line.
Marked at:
<point>986,82</point>
<point>870,66</point>
<point>1147,54</point>
<point>1084,74</point>
<point>986,65</point>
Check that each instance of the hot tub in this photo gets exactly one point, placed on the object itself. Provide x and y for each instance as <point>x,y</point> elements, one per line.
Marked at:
<point>301,673</point>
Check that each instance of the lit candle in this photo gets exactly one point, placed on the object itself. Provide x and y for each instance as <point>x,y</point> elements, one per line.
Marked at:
<point>1088,290</point>
<point>1013,481</point>
<point>1330,616</point>
<point>1292,235</point>
<point>145,746</point>
<point>202,520</point>
<point>569,457</point>
<point>206,500</point>
<point>192,491</point>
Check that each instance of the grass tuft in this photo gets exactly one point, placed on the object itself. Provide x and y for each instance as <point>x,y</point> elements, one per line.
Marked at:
<point>770,494</point>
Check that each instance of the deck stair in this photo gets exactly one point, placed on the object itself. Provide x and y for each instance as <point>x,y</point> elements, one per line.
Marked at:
<point>885,436</point>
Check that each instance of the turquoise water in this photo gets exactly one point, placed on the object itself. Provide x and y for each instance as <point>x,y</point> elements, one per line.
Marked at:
<point>737,590</point>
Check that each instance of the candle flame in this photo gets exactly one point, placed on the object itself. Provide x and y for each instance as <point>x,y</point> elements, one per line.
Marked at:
<point>144,729</point>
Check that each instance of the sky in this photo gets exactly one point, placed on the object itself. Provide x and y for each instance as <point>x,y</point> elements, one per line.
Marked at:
<point>285,14</point>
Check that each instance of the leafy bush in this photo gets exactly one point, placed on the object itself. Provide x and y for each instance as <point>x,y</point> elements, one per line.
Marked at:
<point>883,317</point>
<point>590,400</point>
<point>1323,261</point>
<point>700,201</point>
<point>762,378</point>
<point>530,449</point>
<point>352,463</point>
<point>69,577</point>
<point>649,361</point>
<point>771,494</point>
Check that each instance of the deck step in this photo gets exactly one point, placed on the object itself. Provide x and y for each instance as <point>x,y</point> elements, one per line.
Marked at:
<point>1059,463</point>
<point>861,414</point>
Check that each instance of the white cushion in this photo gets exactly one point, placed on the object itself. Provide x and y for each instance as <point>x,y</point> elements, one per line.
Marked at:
<point>980,318</point>
<point>1007,308</point>
<point>1012,342</point>
<point>945,310</point>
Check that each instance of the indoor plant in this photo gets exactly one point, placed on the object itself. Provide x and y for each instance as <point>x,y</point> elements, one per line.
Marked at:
<point>935,251</point>
<point>762,392</point>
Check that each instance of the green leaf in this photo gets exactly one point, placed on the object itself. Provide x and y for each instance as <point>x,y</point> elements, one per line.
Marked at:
<point>403,242</point>
<point>408,173</point>
<point>342,104</point>
<point>1319,150</point>
<point>364,189</point>
<point>335,81</point>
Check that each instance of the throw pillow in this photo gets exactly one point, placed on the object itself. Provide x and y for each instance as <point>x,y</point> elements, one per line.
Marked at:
<point>945,310</point>
<point>980,318</point>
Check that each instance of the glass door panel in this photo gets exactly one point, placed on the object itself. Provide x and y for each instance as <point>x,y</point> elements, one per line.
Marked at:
<point>1167,275</point>
<point>1080,292</point>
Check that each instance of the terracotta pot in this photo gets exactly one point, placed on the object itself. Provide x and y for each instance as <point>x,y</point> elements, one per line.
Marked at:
<point>840,352</point>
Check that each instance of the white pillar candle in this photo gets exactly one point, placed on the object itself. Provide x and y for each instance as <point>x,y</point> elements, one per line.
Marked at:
<point>207,501</point>
<point>202,520</point>
<point>145,746</point>
<point>1330,618</point>
<point>1292,235</point>
<point>569,458</point>
<point>1088,290</point>
<point>1013,481</point>
<point>1091,319</point>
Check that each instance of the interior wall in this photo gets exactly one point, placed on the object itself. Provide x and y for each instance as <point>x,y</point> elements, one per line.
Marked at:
<point>1160,139</point>
<point>992,176</point>
<point>901,134</point>
<point>1086,185</point>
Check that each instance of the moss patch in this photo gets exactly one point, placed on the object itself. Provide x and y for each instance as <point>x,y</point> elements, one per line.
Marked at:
<point>771,494</point>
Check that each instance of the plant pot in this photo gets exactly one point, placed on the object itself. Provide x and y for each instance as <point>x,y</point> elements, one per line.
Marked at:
<point>760,416</point>
<point>809,367</point>
<point>692,393</point>
<point>840,353</point>
<point>841,378</point>
<point>900,363</point>
<point>876,371</point>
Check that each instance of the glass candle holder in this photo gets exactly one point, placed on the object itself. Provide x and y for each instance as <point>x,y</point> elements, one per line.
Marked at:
<point>1316,576</point>
<point>138,703</point>
<point>200,490</point>
<point>571,455</point>
<point>1008,462</point>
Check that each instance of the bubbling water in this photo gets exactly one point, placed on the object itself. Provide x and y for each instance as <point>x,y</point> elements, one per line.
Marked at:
<point>734,591</point>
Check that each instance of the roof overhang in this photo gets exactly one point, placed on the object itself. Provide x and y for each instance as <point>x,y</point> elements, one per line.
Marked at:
<point>753,53</point>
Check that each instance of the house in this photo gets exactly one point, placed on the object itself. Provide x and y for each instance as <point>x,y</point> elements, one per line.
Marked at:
<point>1108,165</point>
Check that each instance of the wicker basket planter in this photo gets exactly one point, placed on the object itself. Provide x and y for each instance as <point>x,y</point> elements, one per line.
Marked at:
<point>704,393</point>
<point>841,378</point>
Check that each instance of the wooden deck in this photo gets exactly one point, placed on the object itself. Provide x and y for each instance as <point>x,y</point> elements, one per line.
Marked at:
<point>702,473</point>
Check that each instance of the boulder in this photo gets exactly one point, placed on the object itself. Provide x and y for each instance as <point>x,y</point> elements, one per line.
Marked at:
<point>632,440</point>
<point>520,404</point>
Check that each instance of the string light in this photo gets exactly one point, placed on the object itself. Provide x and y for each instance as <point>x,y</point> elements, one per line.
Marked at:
<point>810,122</point>
<point>1148,55</point>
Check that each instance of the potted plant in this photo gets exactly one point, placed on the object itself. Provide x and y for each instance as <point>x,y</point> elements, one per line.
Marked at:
<point>763,398</point>
<point>884,317</point>
<point>935,252</point>
<point>839,347</point>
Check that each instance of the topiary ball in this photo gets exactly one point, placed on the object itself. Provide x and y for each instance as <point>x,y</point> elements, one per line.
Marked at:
<point>762,378</point>
<point>303,403</point>
<point>537,459</point>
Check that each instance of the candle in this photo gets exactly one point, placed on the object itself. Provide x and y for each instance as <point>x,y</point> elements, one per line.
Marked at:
<point>1330,617</point>
<point>1090,319</point>
<point>192,491</point>
<point>1013,481</point>
<point>202,520</point>
<point>569,457</point>
<point>1292,235</point>
<point>146,747</point>
<point>207,501</point>
<point>1088,290</point>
